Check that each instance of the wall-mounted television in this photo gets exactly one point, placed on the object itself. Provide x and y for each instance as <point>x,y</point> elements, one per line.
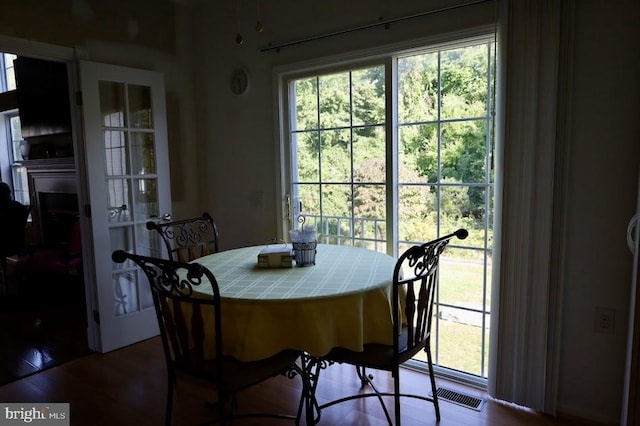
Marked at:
<point>42,90</point>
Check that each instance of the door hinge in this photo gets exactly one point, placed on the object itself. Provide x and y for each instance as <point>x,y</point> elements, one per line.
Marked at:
<point>87,210</point>
<point>96,316</point>
<point>79,98</point>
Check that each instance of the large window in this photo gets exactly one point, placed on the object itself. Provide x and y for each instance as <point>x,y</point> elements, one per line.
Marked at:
<point>11,137</point>
<point>18,171</point>
<point>400,151</point>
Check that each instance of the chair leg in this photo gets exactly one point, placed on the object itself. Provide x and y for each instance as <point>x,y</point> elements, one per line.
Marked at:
<point>396,393</point>
<point>310,374</point>
<point>367,379</point>
<point>433,380</point>
<point>362,374</point>
<point>169,407</point>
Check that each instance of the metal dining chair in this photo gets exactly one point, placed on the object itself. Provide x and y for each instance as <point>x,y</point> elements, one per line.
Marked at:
<point>188,239</point>
<point>184,315</point>
<point>415,277</point>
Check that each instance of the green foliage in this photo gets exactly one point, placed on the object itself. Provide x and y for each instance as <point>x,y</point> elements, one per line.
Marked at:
<point>443,102</point>
<point>368,97</point>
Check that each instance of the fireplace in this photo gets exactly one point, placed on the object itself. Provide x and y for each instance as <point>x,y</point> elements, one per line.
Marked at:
<point>58,214</point>
<point>54,197</point>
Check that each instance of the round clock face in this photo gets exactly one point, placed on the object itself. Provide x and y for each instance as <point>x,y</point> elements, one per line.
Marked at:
<point>239,81</point>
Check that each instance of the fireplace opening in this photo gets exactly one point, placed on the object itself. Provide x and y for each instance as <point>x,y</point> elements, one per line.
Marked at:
<point>58,215</point>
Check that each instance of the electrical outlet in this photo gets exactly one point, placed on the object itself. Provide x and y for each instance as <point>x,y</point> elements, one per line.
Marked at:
<point>604,321</point>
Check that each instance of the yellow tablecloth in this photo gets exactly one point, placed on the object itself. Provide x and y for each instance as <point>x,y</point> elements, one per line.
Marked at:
<point>344,300</point>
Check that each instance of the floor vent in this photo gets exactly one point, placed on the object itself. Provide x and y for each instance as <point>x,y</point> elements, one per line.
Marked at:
<point>462,399</point>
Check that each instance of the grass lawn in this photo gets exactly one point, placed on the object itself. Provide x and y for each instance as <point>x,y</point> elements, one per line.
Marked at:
<point>458,333</point>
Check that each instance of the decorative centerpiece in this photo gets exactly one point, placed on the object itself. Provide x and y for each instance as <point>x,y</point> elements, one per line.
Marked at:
<point>304,242</point>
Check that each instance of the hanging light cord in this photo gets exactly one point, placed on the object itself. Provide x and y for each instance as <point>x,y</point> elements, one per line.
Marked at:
<point>239,38</point>
<point>259,26</point>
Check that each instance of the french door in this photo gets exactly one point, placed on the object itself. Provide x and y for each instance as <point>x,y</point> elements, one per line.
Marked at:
<point>127,169</point>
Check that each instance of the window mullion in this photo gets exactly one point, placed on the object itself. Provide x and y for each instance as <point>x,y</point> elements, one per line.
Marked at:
<point>352,221</point>
<point>439,139</point>
<point>319,134</point>
<point>392,165</point>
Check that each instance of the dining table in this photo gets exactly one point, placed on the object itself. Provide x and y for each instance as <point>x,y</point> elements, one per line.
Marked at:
<point>344,300</point>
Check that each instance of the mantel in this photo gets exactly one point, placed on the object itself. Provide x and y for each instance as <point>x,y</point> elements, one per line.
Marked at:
<point>49,164</point>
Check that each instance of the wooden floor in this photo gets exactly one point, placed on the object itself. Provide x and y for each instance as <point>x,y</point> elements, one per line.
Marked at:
<point>127,387</point>
<point>42,325</point>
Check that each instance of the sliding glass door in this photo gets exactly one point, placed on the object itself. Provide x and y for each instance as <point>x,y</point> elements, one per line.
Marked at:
<point>397,151</point>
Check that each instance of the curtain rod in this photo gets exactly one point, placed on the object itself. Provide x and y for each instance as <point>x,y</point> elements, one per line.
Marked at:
<point>385,23</point>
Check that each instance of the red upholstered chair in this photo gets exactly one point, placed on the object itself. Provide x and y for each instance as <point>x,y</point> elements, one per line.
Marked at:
<point>55,263</point>
<point>13,224</point>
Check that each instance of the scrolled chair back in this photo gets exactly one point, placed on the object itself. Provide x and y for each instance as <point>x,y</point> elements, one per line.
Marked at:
<point>164,275</point>
<point>188,239</point>
<point>416,272</point>
<point>423,259</point>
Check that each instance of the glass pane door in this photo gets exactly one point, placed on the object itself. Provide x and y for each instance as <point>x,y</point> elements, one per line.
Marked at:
<point>131,183</point>
<point>128,173</point>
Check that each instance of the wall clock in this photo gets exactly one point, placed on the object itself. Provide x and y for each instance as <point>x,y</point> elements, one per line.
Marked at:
<point>239,81</point>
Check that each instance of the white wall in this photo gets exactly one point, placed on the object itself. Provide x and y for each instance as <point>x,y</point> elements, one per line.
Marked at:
<point>603,169</point>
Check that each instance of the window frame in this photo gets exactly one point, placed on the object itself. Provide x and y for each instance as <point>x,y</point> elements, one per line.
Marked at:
<point>284,74</point>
